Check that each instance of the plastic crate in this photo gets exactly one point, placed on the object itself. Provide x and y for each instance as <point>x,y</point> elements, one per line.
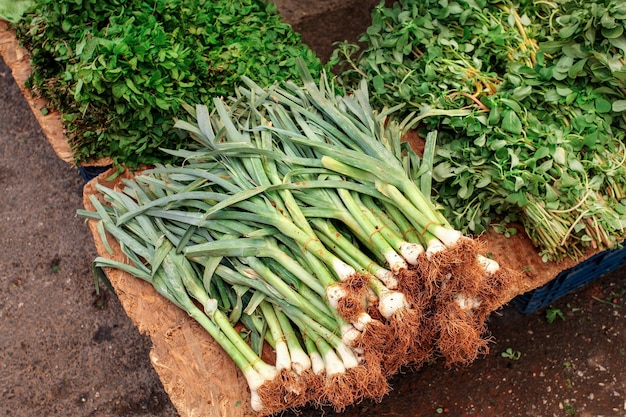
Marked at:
<point>570,280</point>
<point>90,172</point>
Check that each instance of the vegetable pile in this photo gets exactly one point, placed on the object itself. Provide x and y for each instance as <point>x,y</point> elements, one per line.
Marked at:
<point>297,219</point>
<point>119,71</point>
<point>543,87</point>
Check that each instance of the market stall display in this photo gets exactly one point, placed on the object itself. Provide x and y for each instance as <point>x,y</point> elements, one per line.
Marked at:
<point>322,158</point>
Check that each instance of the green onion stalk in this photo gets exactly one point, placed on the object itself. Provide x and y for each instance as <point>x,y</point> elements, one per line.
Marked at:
<point>156,261</point>
<point>347,294</point>
<point>281,385</point>
<point>330,139</point>
<point>350,140</point>
<point>384,170</point>
<point>296,216</point>
<point>298,229</point>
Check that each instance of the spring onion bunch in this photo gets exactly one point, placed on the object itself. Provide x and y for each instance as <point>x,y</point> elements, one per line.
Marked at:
<point>298,216</point>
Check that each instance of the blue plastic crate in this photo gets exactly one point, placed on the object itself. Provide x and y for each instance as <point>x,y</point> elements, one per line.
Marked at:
<point>90,172</point>
<point>570,279</point>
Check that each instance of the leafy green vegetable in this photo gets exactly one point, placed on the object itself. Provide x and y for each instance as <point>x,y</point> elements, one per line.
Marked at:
<point>543,84</point>
<point>120,71</point>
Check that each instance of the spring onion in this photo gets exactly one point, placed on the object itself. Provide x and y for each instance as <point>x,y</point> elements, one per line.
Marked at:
<point>296,215</point>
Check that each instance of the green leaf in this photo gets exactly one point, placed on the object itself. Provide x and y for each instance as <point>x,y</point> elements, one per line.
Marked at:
<point>568,180</point>
<point>121,48</point>
<point>568,31</point>
<point>512,104</point>
<point>497,144</point>
<point>465,192</point>
<point>494,117</point>
<point>612,33</point>
<point>522,92</point>
<point>542,152</point>
<point>379,84</point>
<point>131,85</point>
<point>575,51</point>
<point>161,103</point>
<point>564,64</point>
<point>443,171</point>
<point>66,26</point>
<point>545,166</point>
<point>619,106</point>
<point>119,89</point>
<point>563,91</point>
<point>517,198</point>
<point>551,194</point>
<point>484,181</point>
<point>511,122</point>
<point>619,42</point>
<point>552,96</point>
<point>577,69</point>
<point>602,105</point>
<point>575,165</point>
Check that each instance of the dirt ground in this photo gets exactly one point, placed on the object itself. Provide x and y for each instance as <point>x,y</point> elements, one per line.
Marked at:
<point>67,351</point>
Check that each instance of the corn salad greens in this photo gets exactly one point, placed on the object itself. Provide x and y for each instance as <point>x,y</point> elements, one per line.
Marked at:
<point>543,84</point>
<point>119,71</point>
<point>298,216</point>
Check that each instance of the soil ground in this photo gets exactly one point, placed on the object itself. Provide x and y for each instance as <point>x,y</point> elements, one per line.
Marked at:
<point>66,350</point>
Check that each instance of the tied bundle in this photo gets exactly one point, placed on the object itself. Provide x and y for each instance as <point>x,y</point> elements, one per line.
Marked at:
<point>297,222</point>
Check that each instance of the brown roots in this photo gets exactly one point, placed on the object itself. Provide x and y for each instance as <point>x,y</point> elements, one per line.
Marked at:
<point>414,286</point>
<point>354,385</point>
<point>314,385</point>
<point>373,381</point>
<point>396,342</point>
<point>354,303</point>
<point>286,390</point>
<point>498,289</point>
<point>405,349</point>
<point>450,296</point>
<point>454,295</point>
<point>460,335</point>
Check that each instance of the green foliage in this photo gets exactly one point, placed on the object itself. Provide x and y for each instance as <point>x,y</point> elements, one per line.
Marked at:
<point>570,409</point>
<point>545,85</point>
<point>13,10</point>
<point>553,313</point>
<point>511,354</point>
<point>120,71</point>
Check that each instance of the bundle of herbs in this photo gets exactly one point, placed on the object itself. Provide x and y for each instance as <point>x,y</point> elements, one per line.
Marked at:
<point>118,71</point>
<point>297,216</point>
<point>542,141</point>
